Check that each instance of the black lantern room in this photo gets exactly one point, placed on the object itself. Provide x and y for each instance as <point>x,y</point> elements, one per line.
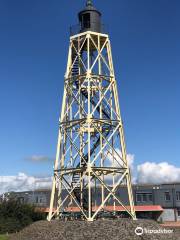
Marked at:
<point>90,18</point>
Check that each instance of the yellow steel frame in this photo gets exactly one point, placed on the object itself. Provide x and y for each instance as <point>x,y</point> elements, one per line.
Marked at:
<point>79,123</point>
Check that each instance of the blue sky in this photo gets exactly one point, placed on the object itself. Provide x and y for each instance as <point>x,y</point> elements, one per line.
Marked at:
<point>34,38</point>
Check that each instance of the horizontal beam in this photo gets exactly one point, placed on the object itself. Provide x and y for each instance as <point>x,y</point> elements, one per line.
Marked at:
<point>88,32</point>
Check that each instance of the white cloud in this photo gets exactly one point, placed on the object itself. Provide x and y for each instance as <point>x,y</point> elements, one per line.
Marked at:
<point>23,182</point>
<point>39,158</point>
<point>130,160</point>
<point>118,162</point>
<point>151,172</point>
<point>148,172</point>
<point>118,156</point>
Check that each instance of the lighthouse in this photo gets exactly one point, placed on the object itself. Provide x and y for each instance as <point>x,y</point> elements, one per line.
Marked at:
<point>91,162</point>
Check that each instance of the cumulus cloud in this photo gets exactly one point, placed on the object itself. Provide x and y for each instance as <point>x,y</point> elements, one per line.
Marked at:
<point>148,173</point>
<point>23,182</point>
<point>151,172</point>
<point>118,156</point>
<point>130,160</point>
<point>39,158</point>
<point>118,162</point>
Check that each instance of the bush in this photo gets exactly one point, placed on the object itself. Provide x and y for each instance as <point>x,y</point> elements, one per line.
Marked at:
<point>14,216</point>
<point>3,237</point>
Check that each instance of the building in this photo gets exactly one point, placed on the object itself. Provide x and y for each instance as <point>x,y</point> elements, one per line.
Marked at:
<point>165,195</point>
<point>160,202</point>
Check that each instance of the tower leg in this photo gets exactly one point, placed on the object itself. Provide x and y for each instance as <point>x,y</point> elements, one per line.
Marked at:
<point>52,199</point>
<point>122,140</point>
<point>130,194</point>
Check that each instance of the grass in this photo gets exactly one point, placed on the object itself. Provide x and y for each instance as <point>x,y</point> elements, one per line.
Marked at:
<point>3,237</point>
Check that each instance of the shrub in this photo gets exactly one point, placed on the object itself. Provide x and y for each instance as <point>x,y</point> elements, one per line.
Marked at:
<point>14,216</point>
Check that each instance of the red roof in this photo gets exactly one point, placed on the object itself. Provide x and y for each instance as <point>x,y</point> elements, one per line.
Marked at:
<point>148,208</point>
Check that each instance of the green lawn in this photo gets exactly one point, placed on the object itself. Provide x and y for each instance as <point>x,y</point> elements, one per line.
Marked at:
<point>3,237</point>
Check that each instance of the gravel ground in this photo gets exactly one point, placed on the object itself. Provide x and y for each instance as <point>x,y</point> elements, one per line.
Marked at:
<point>119,229</point>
